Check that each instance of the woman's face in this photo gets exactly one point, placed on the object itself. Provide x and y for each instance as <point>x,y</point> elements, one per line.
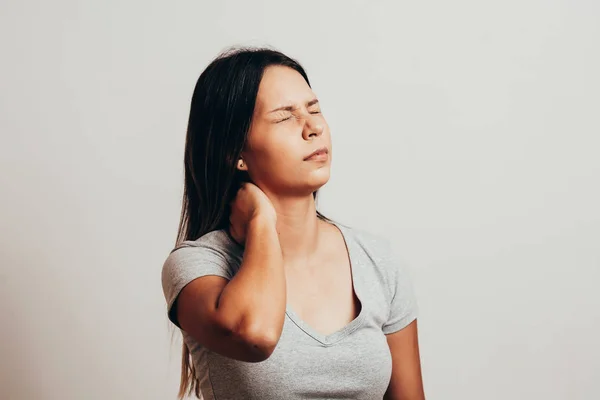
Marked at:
<point>287,127</point>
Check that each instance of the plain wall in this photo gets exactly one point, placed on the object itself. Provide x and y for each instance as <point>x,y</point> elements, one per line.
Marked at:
<point>468,132</point>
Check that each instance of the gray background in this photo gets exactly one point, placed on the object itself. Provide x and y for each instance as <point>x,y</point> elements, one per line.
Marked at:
<point>466,131</point>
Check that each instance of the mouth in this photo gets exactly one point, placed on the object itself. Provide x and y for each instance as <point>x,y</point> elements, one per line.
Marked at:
<point>320,153</point>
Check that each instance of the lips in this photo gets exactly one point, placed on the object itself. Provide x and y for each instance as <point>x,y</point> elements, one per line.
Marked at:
<point>318,152</point>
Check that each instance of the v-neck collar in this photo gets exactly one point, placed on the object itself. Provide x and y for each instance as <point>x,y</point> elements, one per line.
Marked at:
<point>332,338</point>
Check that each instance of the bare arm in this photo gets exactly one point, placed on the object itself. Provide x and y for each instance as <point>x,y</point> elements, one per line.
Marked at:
<point>242,318</point>
<point>406,382</point>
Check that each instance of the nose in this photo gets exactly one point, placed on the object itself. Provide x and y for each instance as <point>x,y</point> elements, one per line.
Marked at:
<point>313,127</point>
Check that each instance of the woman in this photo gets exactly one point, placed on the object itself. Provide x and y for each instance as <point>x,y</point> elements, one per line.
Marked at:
<point>274,300</point>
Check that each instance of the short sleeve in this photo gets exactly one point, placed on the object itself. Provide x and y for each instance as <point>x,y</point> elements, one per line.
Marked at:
<point>186,263</point>
<point>403,307</point>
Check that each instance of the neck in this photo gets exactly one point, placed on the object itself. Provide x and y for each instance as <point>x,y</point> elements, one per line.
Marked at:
<point>298,227</point>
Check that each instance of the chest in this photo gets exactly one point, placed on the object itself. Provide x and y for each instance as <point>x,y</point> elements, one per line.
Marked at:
<point>355,366</point>
<point>329,348</point>
<point>323,296</point>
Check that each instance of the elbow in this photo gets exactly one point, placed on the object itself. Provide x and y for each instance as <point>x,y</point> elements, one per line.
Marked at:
<point>260,340</point>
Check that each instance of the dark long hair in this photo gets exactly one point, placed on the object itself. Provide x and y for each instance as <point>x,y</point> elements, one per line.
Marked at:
<point>220,117</point>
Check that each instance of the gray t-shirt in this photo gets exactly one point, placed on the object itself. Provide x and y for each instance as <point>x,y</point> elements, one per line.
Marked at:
<point>352,363</point>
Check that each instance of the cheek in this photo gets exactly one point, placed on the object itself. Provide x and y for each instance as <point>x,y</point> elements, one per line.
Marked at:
<point>273,148</point>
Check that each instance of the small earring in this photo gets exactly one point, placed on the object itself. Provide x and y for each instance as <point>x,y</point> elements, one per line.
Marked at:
<point>241,164</point>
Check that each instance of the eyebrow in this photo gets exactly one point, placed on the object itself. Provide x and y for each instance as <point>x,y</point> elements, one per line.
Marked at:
<point>292,108</point>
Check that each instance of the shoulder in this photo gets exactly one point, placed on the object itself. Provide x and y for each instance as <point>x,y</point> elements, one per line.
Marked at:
<point>212,251</point>
<point>377,246</point>
<point>386,274</point>
<point>379,256</point>
<point>217,243</point>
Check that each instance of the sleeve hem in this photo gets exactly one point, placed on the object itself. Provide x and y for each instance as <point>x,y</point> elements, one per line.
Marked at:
<point>399,325</point>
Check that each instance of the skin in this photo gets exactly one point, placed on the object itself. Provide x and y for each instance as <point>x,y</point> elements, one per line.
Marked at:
<point>274,158</point>
<point>287,127</point>
<point>406,381</point>
<point>274,217</point>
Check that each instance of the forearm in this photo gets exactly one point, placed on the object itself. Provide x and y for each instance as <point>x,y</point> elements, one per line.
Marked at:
<point>253,302</point>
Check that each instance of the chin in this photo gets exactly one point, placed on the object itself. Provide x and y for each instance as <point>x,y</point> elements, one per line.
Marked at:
<point>305,184</point>
<point>318,180</point>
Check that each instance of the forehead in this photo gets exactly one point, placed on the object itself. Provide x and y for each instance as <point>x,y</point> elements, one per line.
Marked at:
<point>282,86</point>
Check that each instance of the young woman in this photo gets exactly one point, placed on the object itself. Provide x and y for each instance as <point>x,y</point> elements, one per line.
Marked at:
<point>274,300</point>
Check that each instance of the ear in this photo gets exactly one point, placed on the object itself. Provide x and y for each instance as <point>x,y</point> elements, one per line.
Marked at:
<point>241,165</point>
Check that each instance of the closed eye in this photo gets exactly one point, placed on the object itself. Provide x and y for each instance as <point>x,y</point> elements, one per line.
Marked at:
<point>281,120</point>
<point>285,119</point>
